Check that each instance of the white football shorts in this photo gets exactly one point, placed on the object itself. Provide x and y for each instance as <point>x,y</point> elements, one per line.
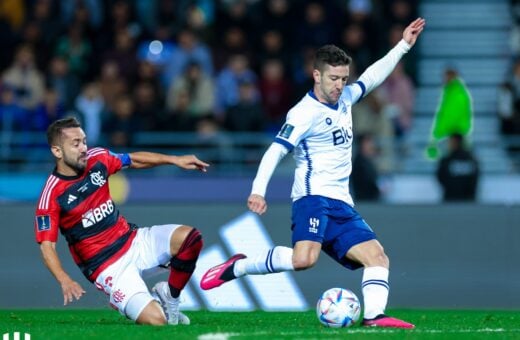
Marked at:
<point>123,280</point>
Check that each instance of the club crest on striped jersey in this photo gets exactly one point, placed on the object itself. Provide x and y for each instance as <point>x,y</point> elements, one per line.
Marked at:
<point>97,178</point>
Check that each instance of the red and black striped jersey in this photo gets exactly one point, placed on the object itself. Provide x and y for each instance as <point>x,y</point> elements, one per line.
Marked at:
<point>82,209</point>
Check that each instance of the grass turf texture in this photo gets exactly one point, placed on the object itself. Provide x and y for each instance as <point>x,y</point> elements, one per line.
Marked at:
<point>107,324</point>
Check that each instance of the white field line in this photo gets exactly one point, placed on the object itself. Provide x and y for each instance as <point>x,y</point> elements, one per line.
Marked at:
<point>226,336</point>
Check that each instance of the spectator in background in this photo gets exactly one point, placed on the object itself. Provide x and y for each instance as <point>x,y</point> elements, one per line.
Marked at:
<point>458,171</point>
<point>314,30</point>
<point>66,84</point>
<point>148,108</point>
<point>48,111</point>
<point>200,89</point>
<point>227,83</point>
<point>25,79</point>
<point>507,113</point>
<point>234,41</point>
<point>247,114</point>
<point>353,39</point>
<point>398,91</point>
<point>188,49</point>
<point>90,106</point>
<point>275,92</point>
<point>12,116</point>
<point>370,116</point>
<point>122,123</point>
<point>178,118</point>
<point>124,54</point>
<point>111,84</point>
<point>364,178</point>
<point>273,46</point>
<point>76,50</point>
<point>454,113</point>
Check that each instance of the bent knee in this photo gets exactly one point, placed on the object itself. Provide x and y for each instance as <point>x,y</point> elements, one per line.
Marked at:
<point>152,314</point>
<point>378,258</point>
<point>155,320</point>
<point>302,263</point>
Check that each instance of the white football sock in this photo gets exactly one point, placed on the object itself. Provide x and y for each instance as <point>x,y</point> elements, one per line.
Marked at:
<point>375,291</point>
<point>278,259</point>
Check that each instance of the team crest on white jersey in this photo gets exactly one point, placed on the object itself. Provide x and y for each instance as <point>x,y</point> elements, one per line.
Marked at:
<point>97,178</point>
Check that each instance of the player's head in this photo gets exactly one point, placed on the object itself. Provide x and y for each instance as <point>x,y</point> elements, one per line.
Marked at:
<point>331,72</point>
<point>68,144</point>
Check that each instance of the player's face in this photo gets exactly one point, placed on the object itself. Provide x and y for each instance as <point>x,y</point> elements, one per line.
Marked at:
<point>72,153</point>
<point>330,82</point>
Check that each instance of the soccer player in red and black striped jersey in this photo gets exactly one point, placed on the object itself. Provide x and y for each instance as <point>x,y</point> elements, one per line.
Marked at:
<point>111,252</point>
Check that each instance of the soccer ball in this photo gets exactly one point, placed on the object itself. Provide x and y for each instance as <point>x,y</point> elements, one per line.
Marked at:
<point>338,307</point>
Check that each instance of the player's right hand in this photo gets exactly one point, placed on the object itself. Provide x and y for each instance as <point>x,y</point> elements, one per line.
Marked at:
<point>71,289</point>
<point>257,204</point>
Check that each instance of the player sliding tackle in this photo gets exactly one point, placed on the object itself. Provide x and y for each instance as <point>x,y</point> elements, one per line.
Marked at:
<point>112,253</point>
<point>319,131</point>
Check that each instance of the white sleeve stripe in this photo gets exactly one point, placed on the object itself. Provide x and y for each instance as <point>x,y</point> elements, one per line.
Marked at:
<point>45,198</point>
<point>95,153</point>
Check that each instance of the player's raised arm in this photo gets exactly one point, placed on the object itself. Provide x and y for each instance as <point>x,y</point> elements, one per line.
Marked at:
<point>411,33</point>
<point>70,288</point>
<point>376,73</point>
<point>144,159</point>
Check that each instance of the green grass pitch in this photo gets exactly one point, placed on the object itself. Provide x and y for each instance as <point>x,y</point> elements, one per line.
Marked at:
<point>108,324</point>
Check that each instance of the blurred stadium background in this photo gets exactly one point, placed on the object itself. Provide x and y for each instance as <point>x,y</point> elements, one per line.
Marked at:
<point>215,78</point>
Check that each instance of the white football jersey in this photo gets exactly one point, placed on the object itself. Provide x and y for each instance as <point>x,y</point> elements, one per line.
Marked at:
<point>321,136</point>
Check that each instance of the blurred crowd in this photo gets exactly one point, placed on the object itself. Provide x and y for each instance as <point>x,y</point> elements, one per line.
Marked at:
<point>192,65</point>
<point>508,104</point>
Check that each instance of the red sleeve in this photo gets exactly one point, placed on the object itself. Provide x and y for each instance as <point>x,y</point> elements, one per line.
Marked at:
<point>113,161</point>
<point>47,219</point>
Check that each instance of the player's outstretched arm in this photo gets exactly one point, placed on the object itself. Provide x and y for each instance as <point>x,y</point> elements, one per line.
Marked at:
<point>144,160</point>
<point>70,288</point>
<point>412,32</point>
<point>376,73</point>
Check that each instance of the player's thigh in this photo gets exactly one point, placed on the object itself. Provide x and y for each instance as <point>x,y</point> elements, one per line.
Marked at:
<point>125,287</point>
<point>346,230</point>
<point>309,219</point>
<point>154,245</point>
<point>369,253</point>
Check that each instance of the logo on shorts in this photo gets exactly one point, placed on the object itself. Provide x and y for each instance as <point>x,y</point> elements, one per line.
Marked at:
<point>118,296</point>
<point>314,224</point>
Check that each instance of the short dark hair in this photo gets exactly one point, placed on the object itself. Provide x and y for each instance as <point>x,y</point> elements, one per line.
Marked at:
<point>330,55</point>
<point>54,130</point>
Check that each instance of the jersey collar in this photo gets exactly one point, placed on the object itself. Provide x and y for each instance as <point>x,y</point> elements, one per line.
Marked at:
<point>331,106</point>
<point>64,177</point>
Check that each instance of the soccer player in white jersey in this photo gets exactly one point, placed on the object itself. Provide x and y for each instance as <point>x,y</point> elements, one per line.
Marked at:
<point>319,131</point>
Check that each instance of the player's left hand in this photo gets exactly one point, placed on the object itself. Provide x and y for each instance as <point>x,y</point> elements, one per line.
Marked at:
<point>190,162</point>
<point>411,33</point>
<point>71,290</point>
